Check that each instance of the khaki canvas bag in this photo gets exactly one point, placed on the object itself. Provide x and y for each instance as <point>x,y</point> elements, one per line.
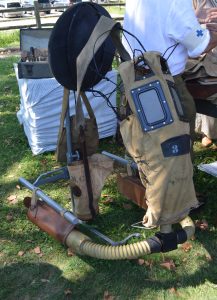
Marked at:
<point>90,130</point>
<point>100,167</point>
<point>162,154</point>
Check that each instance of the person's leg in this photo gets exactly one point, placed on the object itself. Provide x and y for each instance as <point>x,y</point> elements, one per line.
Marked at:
<point>209,126</point>
<point>206,141</point>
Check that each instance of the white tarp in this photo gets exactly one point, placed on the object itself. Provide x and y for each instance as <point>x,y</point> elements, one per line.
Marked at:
<point>210,168</point>
<point>41,104</point>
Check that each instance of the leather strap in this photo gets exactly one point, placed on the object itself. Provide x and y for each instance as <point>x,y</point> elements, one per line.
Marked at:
<point>65,106</point>
<point>87,173</point>
<point>80,116</point>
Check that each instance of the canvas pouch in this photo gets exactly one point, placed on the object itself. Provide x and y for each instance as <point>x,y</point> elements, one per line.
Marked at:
<point>100,167</point>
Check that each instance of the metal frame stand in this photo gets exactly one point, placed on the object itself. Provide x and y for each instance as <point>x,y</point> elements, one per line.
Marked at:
<point>62,173</point>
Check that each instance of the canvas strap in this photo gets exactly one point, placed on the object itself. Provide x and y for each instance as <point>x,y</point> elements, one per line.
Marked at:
<point>65,106</point>
<point>100,33</point>
<point>87,173</point>
<point>102,30</point>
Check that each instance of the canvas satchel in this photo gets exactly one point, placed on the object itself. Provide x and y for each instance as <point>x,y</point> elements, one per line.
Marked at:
<point>167,177</point>
<point>203,67</point>
<point>90,130</point>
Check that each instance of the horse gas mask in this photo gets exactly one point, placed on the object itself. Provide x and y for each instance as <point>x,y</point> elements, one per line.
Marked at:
<point>158,139</point>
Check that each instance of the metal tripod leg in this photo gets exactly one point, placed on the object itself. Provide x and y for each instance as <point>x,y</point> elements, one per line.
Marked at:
<point>70,155</point>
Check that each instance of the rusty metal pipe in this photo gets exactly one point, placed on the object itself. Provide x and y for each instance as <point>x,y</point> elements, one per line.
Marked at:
<point>59,209</point>
<point>48,220</point>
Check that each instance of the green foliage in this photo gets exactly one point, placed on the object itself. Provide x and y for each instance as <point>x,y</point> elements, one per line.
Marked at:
<point>116,10</point>
<point>53,274</point>
<point>10,38</point>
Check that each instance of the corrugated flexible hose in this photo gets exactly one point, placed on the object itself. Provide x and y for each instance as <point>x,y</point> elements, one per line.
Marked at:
<point>46,218</point>
<point>83,245</point>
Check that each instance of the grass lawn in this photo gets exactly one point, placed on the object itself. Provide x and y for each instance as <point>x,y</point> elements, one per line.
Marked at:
<point>10,38</point>
<point>34,266</point>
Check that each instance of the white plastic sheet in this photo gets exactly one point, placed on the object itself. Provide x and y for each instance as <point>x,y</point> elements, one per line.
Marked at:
<point>41,104</point>
<point>210,168</point>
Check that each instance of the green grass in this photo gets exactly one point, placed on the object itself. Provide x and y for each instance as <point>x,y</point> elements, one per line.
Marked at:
<point>54,275</point>
<point>119,10</point>
<point>10,38</point>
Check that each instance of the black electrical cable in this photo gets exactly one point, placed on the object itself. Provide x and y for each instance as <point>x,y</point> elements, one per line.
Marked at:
<point>108,103</point>
<point>141,45</point>
<point>106,78</point>
<point>174,47</point>
<point>96,70</point>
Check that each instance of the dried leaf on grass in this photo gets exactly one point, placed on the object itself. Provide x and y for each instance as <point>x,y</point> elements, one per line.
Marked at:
<point>174,291</point>
<point>43,161</point>
<point>45,280</point>
<point>20,253</point>
<point>140,262</point>
<point>9,217</point>
<point>104,195</point>
<point>68,292</point>
<point>186,246</point>
<point>37,250</point>
<point>70,252</point>
<point>169,265</point>
<point>147,263</point>
<point>208,257</point>
<point>108,201</point>
<point>202,224</point>
<point>12,199</point>
<point>4,241</point>
<point>108,296</point>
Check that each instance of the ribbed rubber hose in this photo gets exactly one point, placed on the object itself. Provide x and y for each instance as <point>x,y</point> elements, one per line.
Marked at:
<point>131,251</point>
<point>82,244</point>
